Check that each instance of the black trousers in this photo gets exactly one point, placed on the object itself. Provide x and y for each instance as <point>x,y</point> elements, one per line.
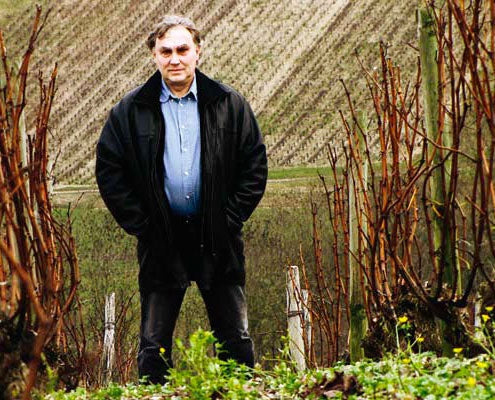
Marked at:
<point>225,306</point>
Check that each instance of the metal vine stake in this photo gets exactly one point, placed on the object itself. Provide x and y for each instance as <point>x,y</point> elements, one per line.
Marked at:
<point>39,271</point>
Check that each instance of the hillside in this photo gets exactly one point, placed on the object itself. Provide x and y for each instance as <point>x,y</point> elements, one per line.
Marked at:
<point>286,57</point>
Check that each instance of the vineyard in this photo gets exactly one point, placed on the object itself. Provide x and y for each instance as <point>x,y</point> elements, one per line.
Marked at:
<point>387,255</point>
<point>285,57</point>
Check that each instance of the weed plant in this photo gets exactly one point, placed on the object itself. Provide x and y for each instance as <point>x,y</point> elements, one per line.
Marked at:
<point>406,375</point>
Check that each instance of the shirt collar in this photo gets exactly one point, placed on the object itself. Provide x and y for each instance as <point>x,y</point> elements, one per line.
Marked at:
<point>166,94</point>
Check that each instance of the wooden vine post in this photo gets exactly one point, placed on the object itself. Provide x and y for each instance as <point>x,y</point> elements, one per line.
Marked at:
<point>295,318</point>
<point>431,71</point>
<point>109,337</point>
<point>358,324</point>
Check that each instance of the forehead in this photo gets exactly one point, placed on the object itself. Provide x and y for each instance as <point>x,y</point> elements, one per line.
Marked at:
<point>175,36</point>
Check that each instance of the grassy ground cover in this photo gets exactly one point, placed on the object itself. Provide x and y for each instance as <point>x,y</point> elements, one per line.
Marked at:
<point>405,376</point>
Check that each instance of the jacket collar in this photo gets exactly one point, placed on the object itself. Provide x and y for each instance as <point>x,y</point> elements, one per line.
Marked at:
<point>208,89</point>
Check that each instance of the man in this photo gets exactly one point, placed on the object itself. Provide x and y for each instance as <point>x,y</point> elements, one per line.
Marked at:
<point>181,165</point>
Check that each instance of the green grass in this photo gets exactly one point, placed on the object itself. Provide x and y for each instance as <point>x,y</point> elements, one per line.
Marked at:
<point>273,173</point>
<point>404,376</point>
<point>298,172</point>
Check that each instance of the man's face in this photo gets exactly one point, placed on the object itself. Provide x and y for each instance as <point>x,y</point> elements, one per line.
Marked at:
<point>176,56</point>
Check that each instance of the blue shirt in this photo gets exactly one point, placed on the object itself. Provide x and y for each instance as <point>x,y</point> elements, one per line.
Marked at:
<point>182,152</point>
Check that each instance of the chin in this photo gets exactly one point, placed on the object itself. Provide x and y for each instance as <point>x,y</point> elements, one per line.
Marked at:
<point>177,78</point>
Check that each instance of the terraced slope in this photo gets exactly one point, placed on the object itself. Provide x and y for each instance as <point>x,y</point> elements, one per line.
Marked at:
<point>285,56</point>
<point>302,116</point>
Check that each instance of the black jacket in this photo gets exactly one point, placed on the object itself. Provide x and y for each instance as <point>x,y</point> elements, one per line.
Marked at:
<point>129,173</point>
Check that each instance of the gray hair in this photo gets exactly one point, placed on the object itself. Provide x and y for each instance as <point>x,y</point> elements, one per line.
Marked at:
<point>169,21</point>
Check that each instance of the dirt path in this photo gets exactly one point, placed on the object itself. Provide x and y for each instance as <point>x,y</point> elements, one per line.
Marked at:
<point>278,192</point>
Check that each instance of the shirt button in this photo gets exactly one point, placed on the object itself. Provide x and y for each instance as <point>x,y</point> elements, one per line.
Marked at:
<point>184,150</point>
<point>182,126</point>
<point>188,197</point>
<point>186,173</point>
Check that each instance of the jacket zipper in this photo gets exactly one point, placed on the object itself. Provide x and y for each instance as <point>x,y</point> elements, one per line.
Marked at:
<point>204,185</point>
<point>153,176</point>
<point>212,186</point>
<point>213,253</point>
<point>207,182</point>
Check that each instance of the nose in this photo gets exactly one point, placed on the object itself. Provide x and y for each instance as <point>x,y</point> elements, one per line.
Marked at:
<point>175,59</point>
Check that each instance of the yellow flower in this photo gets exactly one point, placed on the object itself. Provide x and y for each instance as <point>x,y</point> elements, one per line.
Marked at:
<point>485,317</point>
<point>489,308</point>
<point>420,339</point>
<point>471,381</point>
<point>482,364</point>
<point>457,350</point>
<point>162,350</point>
<point>403,319</point>
<point>406,360</point>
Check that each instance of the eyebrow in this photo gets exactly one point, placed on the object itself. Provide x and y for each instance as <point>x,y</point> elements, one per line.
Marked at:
<point>170,48</point>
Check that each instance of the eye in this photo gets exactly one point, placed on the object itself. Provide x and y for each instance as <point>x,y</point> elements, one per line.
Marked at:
<point>182,50</point>
<point>166,52</point>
